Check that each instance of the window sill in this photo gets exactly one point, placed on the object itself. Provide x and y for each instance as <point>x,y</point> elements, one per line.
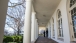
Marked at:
<point>61,39</point>
<point>54,37</point>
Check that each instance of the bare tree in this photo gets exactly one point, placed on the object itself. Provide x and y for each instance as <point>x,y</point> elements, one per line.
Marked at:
<point>5,32</point>
<point>20,2</point>
<point>15,16</point>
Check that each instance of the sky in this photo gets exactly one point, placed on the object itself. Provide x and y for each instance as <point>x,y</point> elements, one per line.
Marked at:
<point>10,29</point>
<point>7,27</point>
<point>14,1</point>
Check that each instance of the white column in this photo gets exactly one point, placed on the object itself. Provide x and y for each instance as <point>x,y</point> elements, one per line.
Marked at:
<point>33,27</point>
<point>3,12</point>
<point>27,23</point>
<point>36,29</point>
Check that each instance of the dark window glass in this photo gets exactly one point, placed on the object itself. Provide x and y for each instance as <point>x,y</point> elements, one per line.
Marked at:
<point>60,25</point>
<point>75,35</point>
<point>71,11</point>
<point>72,2</point>
<point>73,15</point>
<point>59,14</point>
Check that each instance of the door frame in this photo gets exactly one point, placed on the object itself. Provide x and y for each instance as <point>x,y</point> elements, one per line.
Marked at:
<point>72,38</point>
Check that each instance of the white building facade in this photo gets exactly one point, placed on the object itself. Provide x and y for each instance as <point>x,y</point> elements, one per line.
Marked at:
<point>58,16</point>
<point>62,22</point>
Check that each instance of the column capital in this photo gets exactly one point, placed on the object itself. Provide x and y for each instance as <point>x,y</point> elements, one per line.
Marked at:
<point>36,19</point>
<point>33,12</point>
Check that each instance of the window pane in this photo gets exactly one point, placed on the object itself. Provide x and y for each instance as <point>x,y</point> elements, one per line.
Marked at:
<point>60,25</point>
<point>72,2</point>
<point>75,35</point>
<point>59,32</point>
<point>73,16</point>
<point>62,32</point>
<point>71,12</point>
<point>59,14</point>
<point>74,10</point>
<point>61,28</point>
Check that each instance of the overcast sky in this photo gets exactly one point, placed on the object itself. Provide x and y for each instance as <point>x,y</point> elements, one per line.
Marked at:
<point>7,27</point>
<point>14,1</point>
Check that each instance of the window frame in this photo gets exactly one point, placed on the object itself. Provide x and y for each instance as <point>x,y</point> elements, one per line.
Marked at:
<point>53,30</point>
<point>59,24</point>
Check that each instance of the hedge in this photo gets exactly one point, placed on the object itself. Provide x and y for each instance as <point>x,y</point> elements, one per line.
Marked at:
<point>17,39</point>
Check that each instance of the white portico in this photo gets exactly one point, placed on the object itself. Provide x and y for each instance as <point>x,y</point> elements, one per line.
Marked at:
<point>58,16</point>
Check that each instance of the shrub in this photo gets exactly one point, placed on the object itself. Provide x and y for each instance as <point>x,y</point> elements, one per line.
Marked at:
<point>8,39</point>
<point>18,39</point>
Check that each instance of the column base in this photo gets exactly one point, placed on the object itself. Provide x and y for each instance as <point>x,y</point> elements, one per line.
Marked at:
<point>33,41</point>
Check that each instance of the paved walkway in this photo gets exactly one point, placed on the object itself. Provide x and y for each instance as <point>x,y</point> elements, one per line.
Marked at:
<point>45,40</point>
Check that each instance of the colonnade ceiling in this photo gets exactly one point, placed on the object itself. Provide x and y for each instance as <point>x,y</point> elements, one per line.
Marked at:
<point>44,10</point>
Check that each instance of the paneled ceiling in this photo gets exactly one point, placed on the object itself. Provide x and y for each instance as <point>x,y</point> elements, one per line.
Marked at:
<point>44,9</point>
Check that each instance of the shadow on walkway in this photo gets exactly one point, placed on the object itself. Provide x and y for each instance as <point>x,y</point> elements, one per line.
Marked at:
<point>45,40</point>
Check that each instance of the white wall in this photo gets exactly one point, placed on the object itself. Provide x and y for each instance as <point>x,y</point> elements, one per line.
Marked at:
<point>62,7</point>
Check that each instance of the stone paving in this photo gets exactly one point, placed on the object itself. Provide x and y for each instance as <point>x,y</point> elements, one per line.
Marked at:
<point>45,40</point>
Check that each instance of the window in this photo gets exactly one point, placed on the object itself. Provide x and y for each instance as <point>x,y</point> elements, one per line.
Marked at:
<point>72,2</point>
<point>53,27</point>
<point>73,16</point>
<point>59,20</point>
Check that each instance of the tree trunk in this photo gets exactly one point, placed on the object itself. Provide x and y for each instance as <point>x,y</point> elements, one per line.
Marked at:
<point>18,32</point>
